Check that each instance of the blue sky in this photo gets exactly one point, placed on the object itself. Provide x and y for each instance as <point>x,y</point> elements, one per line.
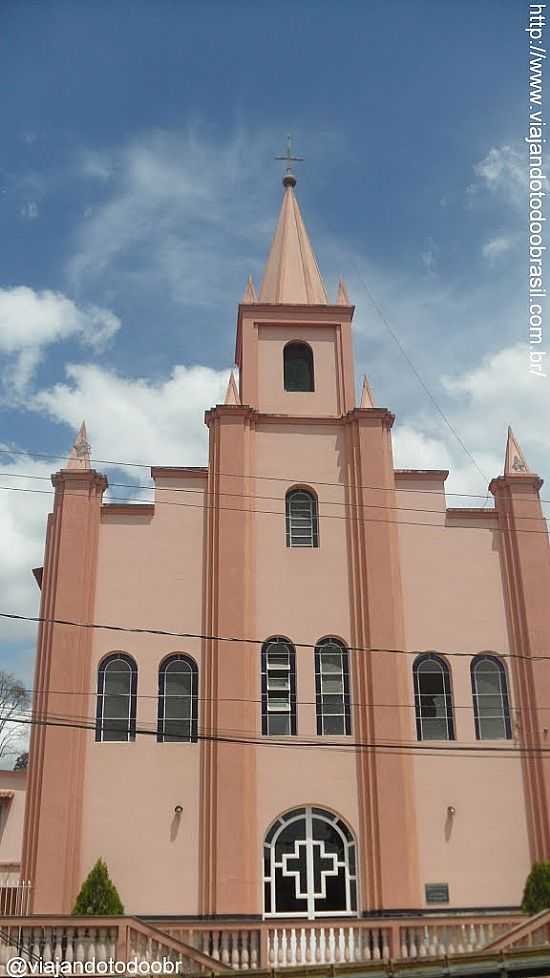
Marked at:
<point>138,190</point>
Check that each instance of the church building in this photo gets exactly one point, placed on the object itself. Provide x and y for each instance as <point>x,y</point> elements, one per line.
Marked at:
<point>299,684</point>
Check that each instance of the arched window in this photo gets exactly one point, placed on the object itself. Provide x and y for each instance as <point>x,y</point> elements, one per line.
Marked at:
<point>278,687</point>
<point>298,367</point>
<point>116,698</point>
<point>178,699</point>
<point>332,687</point>
<point>491,703</point>
<point>302,523</point>
<point>309,866</point>
<point>433,699</point>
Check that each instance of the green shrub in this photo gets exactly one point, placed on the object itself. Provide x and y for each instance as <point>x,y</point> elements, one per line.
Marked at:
<point>536,895</point>
<point>98,895</point>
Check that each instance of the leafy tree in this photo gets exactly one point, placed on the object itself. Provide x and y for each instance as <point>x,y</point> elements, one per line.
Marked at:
<point>22,762</point>
<point>14,700</point>
<point>536,895</point>
<point>98,894</point>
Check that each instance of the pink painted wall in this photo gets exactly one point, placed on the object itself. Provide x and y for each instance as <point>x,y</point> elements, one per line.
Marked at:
<point>453,600</point>
<point>12,813</point>
<point>150,573</point>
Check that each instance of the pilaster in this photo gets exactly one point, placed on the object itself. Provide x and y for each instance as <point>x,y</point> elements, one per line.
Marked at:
<point>388,843</point>
<point>230,865</point>
<point>57,751</point>
<point>525,556</point>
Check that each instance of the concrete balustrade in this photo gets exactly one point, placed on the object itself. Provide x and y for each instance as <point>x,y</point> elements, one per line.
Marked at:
<point>293,943</point>
<point>40,940</point>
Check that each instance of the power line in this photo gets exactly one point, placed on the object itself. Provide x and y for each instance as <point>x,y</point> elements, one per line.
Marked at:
<point>244,476</point>
<point>419,377</point>
<point>330,516</point>
<point>231,639</point>
<point>417,748</point>
<point>92,694</point>
<point>248,475</point>
<point>249,495</point>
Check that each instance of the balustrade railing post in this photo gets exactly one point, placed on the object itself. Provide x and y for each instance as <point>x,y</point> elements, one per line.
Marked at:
<point>122,941</point>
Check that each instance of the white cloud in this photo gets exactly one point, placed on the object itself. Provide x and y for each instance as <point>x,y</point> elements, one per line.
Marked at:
<point>141,421</point>
<point>97,166</point>
<point>29,210</point>
<point>485,399</point>
<point>24,506</point>
<point>30,321</point>
<point>155,423</point>
<point>428,256</point>
<point>178,213</point>
<point>501,387</point>
<point>502,171</point>
<point>498,246</point>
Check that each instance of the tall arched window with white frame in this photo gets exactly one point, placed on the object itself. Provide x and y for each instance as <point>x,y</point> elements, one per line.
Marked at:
<point>433,698</point>
<point>491,701</point>
<point>332,687</point>
<point>178,699</point>
<point>116,698</point>
<point>302,518</point>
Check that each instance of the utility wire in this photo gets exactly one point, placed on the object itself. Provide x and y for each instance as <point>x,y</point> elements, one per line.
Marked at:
<point>241,699</point>
<point>384,747</point>
<point>419,378</point>
<point>232,639</point>
<point>287,481</point>
<point>152,727</point>
<point>331,516</point>
<point>245,475</point>
<point>249,495</point>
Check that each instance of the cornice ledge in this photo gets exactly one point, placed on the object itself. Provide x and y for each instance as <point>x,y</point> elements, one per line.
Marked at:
<point>424,475</point>
<point>229,411</point>
<point>298,307</point>
<point>370,416</point>
<point>93,478</point>
<point>270,418</point>
<point>179,472</point>
<point>523,480</point>
<point>128,509</point>
<point>471,512</point>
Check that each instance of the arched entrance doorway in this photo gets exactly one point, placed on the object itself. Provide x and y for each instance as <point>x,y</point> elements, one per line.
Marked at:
<point>309,866</point>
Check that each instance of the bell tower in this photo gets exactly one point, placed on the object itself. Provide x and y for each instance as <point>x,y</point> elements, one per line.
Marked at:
<point>294,349</point>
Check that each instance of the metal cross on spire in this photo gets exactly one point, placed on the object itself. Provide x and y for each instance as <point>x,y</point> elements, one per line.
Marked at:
<point>289,180</point>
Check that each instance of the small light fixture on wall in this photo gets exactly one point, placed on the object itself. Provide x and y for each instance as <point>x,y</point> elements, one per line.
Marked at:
<point>178,809</point>
<point>451,811</point>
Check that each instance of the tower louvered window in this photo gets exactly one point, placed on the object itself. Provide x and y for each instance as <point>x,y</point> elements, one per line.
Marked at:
<point>278,687</point>
<point>298,367</point>
<point>302,522</point>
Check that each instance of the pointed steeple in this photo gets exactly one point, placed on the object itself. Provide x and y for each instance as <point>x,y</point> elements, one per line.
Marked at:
<point>79,455</point>
<point>232,394</point>
<point>367,399</point>
<point>249,294</point>
<point>291,273</point>
<point>342,298</point>
<point>514,463</point>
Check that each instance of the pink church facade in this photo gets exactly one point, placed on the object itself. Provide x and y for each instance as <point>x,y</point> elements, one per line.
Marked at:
<point>340,758</point>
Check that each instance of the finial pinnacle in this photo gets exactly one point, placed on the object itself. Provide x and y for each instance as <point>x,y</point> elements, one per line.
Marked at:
<point>289,180</point>
<point>79,456</point>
